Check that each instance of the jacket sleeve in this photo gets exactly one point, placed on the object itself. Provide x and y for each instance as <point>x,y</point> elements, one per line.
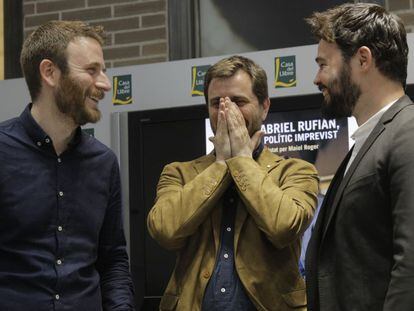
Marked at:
<point>282,201</point>
<point>400,294</point>
<point>112,262</point>
<point>180,207</point>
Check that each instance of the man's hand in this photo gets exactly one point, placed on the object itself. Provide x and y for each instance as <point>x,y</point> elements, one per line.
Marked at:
<point>240,141</point>
<point>221,140</point>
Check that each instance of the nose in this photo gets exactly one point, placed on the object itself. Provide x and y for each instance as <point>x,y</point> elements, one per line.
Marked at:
<point>103,82</point>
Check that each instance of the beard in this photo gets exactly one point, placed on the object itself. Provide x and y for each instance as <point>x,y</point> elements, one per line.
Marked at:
<point>342,95</point>
<point>70,98</point>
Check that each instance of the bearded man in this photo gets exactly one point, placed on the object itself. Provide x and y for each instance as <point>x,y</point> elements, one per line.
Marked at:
<point>235,217</point>
<point>361,254</point>
<point>62,245</point>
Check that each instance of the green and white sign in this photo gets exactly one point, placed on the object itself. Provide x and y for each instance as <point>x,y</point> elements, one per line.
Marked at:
<point>285,71</point>
<point>197,79</point>
<point>122,90</point>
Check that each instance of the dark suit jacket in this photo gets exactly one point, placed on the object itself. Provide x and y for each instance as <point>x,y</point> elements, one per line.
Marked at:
<point>361,254</point>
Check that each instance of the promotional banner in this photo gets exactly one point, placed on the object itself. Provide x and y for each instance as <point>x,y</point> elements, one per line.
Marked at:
<point>305,134</point>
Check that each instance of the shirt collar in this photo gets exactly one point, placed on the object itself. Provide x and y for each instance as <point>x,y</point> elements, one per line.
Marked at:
<point>366,128</point>
<point>36,133</point>
<point>258,151</point>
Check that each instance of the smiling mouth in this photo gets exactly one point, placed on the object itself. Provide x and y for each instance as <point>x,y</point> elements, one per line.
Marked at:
<point>96,100</point>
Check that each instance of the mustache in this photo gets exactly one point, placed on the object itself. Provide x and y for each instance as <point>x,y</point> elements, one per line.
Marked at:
<point>321,87</point>
<point>96,93</point>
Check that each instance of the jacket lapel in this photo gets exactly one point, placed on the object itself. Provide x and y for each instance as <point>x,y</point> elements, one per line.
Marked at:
<point>266,161</point>
<point>325,210</point>
<point>200,165</point>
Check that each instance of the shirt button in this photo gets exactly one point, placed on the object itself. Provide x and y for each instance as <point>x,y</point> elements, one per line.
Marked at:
<point>226,256</point>
<point>228,229</point>
<point>57,297</point>
<point>61,193</point>
<point>223,290</point>
<point>39,143</point>
<point>268,166</point>
<point>47,140</point>
<point>58,262</point>
<point>59,228</point>
<point>231,200</point>
<point>59,160</point>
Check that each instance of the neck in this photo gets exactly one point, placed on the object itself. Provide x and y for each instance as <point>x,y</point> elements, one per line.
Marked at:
<point>58,126</point>
<point>373,99</point>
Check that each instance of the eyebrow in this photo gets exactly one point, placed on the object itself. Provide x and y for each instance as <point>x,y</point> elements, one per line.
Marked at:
<point>96,64</point>
<point>232,98</point>
<point>237,98</point>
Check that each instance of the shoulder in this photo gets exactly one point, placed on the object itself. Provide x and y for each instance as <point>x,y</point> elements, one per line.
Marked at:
<point>93,145</point>
<point>91,149</point>
<point>9,129</point>
<point>8,125</point>
<point>189,169</point>
<point>286,164</point>
<point>201,161</point>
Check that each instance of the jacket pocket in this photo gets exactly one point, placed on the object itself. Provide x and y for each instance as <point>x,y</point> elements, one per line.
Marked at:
<point>295,299</point>
<point>168,302</point>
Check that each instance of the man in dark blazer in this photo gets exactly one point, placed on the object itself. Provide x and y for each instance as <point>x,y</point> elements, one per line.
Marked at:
<point>361,254</point>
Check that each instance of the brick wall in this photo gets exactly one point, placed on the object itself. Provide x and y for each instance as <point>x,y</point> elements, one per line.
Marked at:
<point>404,9</point>
<point>137,29</point>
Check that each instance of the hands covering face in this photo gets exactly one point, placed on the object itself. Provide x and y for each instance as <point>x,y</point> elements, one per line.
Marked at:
<point>232,137</point>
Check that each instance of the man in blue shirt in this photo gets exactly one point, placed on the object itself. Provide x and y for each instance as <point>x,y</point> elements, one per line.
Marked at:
<point>62,244</point>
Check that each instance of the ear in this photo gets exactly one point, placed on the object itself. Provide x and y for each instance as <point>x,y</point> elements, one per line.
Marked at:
<point>49,73</point>
<point>265,106</point>
<point>365,58</point>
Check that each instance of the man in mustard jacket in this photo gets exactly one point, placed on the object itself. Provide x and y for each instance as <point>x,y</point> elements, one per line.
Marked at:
<point>236,216</point>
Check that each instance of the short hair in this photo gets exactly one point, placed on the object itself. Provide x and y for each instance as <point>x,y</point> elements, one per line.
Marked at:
<point>352,25</point>
<point>228,67</point>
<point>50,41</point>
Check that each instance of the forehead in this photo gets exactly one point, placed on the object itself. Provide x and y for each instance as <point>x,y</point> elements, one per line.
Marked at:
<point>238,84</point>
<point>328,52</point>
<point>84,50</point>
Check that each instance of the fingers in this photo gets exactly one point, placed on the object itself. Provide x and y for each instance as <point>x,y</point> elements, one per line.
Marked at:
<point>221,140</point>
<point>234,116</point>
<point>238,134</point>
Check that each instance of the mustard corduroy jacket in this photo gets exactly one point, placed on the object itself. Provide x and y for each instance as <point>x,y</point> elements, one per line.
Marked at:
<point>277,201</point>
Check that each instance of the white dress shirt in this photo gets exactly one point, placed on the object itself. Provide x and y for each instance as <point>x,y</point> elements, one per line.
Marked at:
<point>362,132</point>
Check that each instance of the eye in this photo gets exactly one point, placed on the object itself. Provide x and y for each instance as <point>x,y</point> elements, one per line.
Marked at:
<point>91,70</point>
<point>239,102</point>
<point>214,103</point>
<point>322,66</point>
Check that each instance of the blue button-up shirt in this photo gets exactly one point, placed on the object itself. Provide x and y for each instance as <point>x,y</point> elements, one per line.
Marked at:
<point>225,291</point>
<point>62,245</point>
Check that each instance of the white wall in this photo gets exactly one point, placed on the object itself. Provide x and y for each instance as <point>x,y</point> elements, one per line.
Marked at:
<point>168,84</point>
